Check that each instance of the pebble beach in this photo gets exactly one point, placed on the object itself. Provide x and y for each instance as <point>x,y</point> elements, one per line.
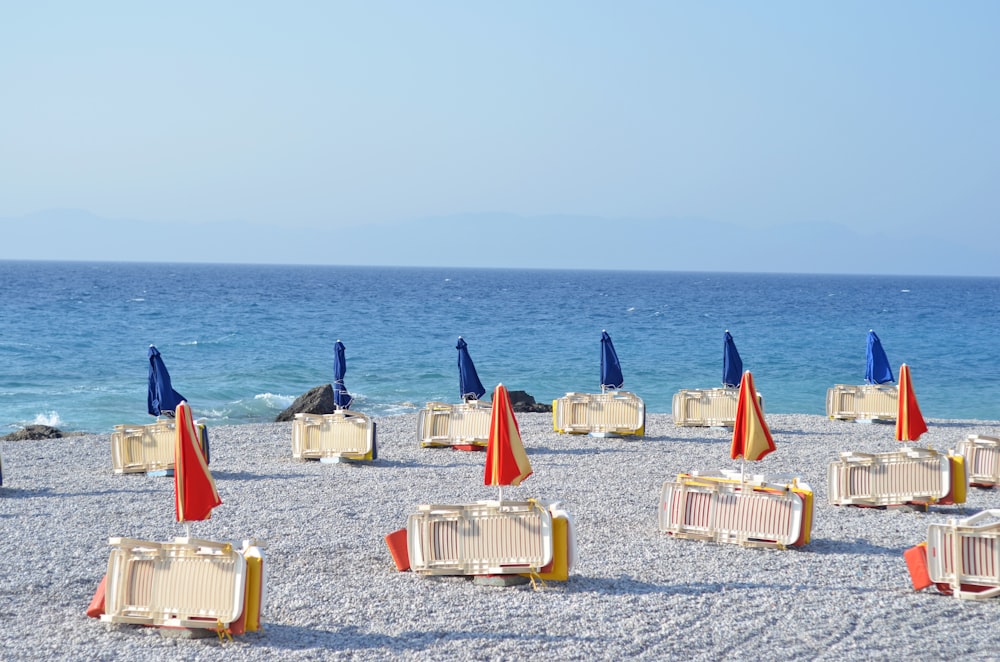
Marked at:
<point>333,591</point>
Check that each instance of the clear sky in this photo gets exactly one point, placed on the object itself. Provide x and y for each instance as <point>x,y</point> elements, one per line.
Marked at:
<point>876,116</point>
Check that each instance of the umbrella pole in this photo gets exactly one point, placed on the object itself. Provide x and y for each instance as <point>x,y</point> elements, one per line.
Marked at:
<point>187,529</point>
<point>500,498</point>
<point>743,469</point>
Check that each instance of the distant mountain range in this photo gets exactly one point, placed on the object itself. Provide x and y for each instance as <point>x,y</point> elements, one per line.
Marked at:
<point>499,240</point>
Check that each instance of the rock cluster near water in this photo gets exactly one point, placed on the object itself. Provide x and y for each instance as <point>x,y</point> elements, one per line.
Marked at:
<point>317,400</point>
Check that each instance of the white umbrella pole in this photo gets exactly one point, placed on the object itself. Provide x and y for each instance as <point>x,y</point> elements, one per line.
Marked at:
<point>187,529</point>
<point>500,498</point>
<point>743,469</point>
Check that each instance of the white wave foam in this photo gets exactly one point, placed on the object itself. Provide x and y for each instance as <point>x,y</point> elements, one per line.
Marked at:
<point>275,400</point>
<point>51,419</point>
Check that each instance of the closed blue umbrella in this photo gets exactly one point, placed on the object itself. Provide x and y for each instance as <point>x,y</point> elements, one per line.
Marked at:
<point>877,368</point>
<point>161,398</point>
<point>732,364</point>
<point>469,386</point>
<point>341,397</point>
<point>611,369</point>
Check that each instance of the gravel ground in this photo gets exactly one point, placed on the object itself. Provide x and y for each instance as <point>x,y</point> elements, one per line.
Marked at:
<point>334,593</point>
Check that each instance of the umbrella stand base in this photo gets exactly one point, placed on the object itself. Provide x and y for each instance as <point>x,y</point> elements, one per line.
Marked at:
<point>160,473</point>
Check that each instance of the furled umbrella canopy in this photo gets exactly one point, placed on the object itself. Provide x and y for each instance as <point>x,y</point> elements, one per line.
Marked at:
<point>732,364</point>
<point>469,386</point>
<point>611,368</point>
<point>506,461</point>
<point>751,436</point>
<point>877,368</point>
<point>161,398</point>
<point>194,488</point>
<point>341,397</point>
<point>910,422</point>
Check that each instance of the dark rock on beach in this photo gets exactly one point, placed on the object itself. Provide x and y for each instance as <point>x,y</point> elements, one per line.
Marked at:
<point>33,433</point>
<point>318,400</point>
<point>522,402</point>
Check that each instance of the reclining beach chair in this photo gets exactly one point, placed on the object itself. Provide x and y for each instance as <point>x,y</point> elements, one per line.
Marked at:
<point>982,459</point>
<point>148,448</point>
<point>487,538</point>
<point>868,402</point>
<point>465,426</point>
<point>917,476</point>
<point>612,413</point>
<point>187,583</point>
<point>960,557</point>
<point>342,435</point>
<point>760,511</point>
<point>714,407</point>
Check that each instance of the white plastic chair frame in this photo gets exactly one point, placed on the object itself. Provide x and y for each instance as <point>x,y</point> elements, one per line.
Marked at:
<point>144,448</point>
<point>916,475</point>
<point>466,424</point>
<point>982,459</point>
<point>759,511</point>
<point>608,413</point>
<point>343,434</point>
<point>485,538</point>
<point>867,402</point>
<point>188,583</point>
<point>714,407</point>
<point>965,555</point>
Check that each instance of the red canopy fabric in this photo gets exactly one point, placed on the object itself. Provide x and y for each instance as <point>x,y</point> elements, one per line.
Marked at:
<point>506,461</point>
<point>751,436</point>
<point>910,422</point>
<point>194,488</point>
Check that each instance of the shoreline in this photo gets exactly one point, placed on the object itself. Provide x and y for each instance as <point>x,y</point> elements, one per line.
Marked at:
<point>333,591</point>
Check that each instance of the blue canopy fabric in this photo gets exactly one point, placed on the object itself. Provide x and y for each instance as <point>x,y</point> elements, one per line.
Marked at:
<point>611,369</point>
<point>732,364</point>
<point>341,397</point>
<point>161,398</point>
<point>469,385</point>
<point>877,368</point>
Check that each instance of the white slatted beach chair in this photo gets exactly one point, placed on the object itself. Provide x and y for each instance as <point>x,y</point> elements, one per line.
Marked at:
<point>490,538</point>
<point>146,448</point>
<point>466,424</point>
<point>187,583</point>
<point>961,557</point>
<point>982,459</point>
<point>714,407</point>
<point>613,413</point>
<point>867,402</point>
<point>342,435</point>
<point>918,476</point>
<point>762,511</point>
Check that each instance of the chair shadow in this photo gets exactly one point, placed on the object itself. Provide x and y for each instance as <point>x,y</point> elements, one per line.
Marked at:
<point>856,547</point>
<point>295,638</point>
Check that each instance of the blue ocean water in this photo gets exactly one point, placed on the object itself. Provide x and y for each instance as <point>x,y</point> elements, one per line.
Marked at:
<point>242,341</point>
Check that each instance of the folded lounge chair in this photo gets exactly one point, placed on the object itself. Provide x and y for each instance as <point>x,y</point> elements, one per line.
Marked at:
<point>982,459</point>
<point>187,583</point>
<point>487,538</point>
<point>612,413</point>
<point>342,435</point>
<point>868,402</point>
<point>714,407</point>
<point>145,448</point>
<point>960,557</point>
<point>465,425</point>
<point>917,476</point>
<point>760,511</point>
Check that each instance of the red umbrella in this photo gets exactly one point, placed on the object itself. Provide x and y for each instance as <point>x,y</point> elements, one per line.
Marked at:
<point>909,421</point>
<point>751,437</point>
<point>194,488</point>
<point>506,461</point>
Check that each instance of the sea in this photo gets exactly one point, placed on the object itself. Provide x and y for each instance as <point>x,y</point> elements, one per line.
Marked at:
<point>241,342</point>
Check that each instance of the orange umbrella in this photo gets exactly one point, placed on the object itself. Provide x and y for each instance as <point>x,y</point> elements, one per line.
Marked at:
<point>194,488</point>
<point>909,421</point>
<point>506,461</point>
<point>751,437</point>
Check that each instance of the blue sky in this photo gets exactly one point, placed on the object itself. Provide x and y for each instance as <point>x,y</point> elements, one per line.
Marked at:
<point>334,117</point>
